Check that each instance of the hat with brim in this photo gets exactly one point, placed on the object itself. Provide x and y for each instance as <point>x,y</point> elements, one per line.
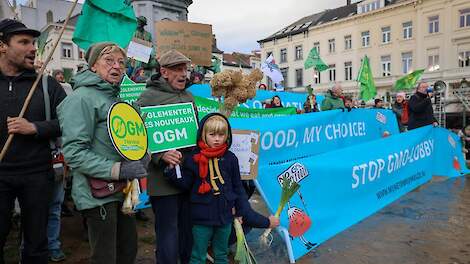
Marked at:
<point>13,27</point>
<point>172,58</point>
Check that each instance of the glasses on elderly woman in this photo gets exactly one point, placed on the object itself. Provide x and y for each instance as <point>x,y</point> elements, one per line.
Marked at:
<point>110,61</point>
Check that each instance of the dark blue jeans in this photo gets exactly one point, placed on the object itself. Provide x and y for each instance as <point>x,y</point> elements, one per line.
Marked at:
<point>172,228</point>
<point>33,192</point>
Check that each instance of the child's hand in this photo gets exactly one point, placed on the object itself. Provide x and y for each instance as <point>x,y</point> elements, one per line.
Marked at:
<point>240,219</point>
<point>273,221</point>
<point>172,157</point>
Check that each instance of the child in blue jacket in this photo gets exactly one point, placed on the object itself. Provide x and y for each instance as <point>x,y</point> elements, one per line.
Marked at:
<point>212,175</point>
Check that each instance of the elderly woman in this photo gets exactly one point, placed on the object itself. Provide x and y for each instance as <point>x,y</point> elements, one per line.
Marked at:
<point>91,155</point>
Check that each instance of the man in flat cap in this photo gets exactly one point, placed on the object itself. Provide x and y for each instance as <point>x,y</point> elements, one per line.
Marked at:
<point>170,204</point>
<point>26,171</point>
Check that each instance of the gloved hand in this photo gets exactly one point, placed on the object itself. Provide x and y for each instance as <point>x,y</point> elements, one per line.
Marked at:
<point>145,161</point>
<point>132,170</point>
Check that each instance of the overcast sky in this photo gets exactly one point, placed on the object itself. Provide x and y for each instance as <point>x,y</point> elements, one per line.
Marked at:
<point>239,24</point>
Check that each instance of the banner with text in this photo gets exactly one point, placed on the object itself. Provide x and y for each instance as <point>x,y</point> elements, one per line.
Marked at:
<point>288,99</point>
<point>292,137</point>
<point>206,106</point>
<point>340,188</point>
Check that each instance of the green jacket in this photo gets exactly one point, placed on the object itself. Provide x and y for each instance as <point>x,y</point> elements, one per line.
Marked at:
<point>159,92</point>
<point>87,147</point>
<point>331,102</point>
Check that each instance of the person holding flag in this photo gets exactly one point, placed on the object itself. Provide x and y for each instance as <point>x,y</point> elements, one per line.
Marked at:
<point>421,112</point>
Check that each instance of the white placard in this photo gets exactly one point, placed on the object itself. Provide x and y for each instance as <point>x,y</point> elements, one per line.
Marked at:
<point>139,52</point>
<point>241,147</point>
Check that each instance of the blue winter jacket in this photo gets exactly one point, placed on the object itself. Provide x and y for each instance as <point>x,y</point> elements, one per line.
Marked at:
<point>216,210</point>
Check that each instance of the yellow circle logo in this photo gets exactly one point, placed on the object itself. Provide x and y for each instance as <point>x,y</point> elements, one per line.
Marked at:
<point>127,131</point>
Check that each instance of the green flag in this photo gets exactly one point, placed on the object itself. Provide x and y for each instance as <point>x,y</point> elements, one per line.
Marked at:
<point>42,41</point>
<point>367,88</point>
<point>314,60</point>
<point>105,20</point>
<point>408,81</point>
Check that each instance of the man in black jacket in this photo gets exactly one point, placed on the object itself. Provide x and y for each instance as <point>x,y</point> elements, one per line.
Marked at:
<point>26,170</point>
<point>420,108</point>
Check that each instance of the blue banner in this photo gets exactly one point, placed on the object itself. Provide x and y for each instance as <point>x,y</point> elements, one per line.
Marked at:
<point>288,99</point>
<point>292,137</point>
<point>342,187</point>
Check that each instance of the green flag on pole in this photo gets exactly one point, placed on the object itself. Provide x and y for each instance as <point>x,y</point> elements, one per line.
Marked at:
<point>408,81</point>
<point>42,41</point>
<point>314,60</point>
<point>367,88</point>
<point>105,20</point>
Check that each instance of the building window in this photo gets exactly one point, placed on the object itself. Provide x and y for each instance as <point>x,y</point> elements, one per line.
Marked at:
<point>49,17</point>
<point>386,62</point>
<point>464,59</point>
<point>299,77</point>
<point>331,45</point>
<point>81,54</point>
<point>347,42</point>
<point>284,72</point>
<point>408,30</point>
<point>433,62</point>
<point>316,46</point>
<point>283,55</point>
<point>67,50</point>
<point>386,35</point>
<point>407,61</point>
<point>317,76</point>
<point>465,18</point>
<point>298,53</point>
<point>348,71</point>
<point>253,65</point>
<point>270,83</point>
<point>365,39</point>
<point>332,72</point>
<point>433,24</point>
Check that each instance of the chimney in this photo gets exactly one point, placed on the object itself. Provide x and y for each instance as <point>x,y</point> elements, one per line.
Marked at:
<point>348,2</point>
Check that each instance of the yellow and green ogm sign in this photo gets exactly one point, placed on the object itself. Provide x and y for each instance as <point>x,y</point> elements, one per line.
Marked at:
<point>127,131</point>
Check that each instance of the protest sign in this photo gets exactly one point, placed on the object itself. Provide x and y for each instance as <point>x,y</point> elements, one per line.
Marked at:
<point>170,126</point>
<point>127,131</point>
<point>130,92</point>
<point>245,145</point>
<point>139,50</point>
<point>192,39</point>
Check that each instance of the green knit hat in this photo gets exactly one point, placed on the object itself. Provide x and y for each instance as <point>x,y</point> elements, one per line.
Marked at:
<point>94,51</point>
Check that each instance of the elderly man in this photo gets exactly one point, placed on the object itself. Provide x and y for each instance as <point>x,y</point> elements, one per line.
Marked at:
<point>170,204</point>
<point>420,108</point>
<point>333,99</point>
<point>26,171</point>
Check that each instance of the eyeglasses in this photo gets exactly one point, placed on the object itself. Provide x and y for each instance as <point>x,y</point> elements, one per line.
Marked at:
<point>110,62</point>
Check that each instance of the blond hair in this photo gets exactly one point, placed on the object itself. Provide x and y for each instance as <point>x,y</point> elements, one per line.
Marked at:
<point>215,124</point>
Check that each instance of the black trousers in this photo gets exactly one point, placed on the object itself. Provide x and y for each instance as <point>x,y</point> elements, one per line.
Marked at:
<point>33,192</point>
<point>172,228</point>
<point>112,235</point>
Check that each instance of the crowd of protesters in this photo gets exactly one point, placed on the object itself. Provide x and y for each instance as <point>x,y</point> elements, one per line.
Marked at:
<point>189,212</point>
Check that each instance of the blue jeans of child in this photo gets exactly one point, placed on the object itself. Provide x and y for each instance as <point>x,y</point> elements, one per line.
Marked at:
<point>53,223</point>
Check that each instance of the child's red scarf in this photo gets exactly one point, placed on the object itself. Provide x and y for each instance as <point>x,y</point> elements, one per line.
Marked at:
<point>202,159</point>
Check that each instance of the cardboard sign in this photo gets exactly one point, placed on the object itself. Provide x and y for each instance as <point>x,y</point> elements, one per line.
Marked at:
<point>127,131</point>
<point>246,147</point>
<point>170,126</point>
<point>192,39</point>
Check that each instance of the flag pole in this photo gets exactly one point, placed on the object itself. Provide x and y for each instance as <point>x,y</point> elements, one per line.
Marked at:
<point>38,77</point>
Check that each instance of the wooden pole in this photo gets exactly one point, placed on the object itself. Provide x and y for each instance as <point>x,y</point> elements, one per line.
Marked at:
<point>35,84</point>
